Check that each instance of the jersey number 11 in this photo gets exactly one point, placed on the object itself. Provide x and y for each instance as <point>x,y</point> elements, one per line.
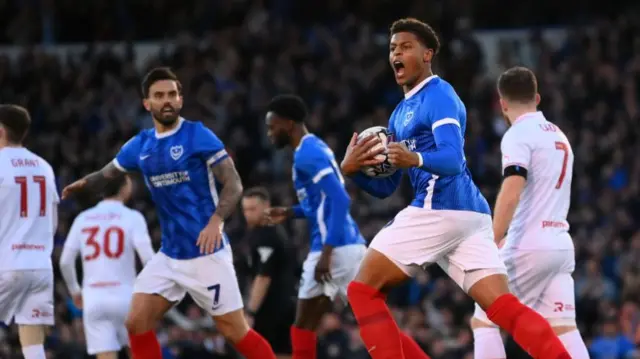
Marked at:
<point>24,197</point>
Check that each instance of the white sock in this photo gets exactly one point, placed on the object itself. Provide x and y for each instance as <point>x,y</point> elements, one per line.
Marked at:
<point>34,352</point>
<point>574,344</point>
<point>487,344</point>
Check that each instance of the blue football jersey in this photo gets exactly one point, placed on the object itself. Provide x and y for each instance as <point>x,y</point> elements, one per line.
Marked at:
<point>176,167</point>
<point>431,104</point>
<point>312,161</point>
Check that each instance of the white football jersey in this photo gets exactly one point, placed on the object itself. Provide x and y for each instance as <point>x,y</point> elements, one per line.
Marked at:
<point>28,210</point>
<point>540,221</point>
<point>106,237</point>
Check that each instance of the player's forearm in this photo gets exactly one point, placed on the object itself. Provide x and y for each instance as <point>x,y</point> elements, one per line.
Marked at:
<point>506,204</point>
<point>68,270</point>
<point>505,208</point>
<point>378,187</point>
<point>232,188</point>
<point>145,250</point>
<point>448,158</point>
<point>259,290</point>
<point>327,250</point>
<point>443,162</point>
<point>97,181</point>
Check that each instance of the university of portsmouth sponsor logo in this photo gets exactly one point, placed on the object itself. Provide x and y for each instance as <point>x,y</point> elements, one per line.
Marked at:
<point>169,179</point>
<point>176,152</point>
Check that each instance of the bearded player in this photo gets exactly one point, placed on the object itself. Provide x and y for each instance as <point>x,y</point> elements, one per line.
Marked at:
<point>336,243</point>
<point>448,222</point>
<point>184,164</point>
<point>537,165</point>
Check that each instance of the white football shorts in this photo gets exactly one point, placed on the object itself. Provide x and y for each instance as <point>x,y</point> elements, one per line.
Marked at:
<point>27,296</point>
<point>104,315</point>
<point>210,280</point>
<point>542,280</point>
<point>345,262</point>
<point>460,242</point>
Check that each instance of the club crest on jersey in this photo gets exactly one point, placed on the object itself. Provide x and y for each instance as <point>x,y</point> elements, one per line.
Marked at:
<point>176,152</point>
<point>407,118</point>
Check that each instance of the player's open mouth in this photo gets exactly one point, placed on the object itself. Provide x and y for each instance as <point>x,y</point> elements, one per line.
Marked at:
<point>398,68</point>
<point>168,110</point>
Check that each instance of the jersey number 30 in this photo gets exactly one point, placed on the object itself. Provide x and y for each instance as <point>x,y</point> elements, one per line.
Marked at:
<point>561,146</point>
<point>113,232</point>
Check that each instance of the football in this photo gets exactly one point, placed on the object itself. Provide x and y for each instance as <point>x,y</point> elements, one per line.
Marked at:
<point>384,169</point>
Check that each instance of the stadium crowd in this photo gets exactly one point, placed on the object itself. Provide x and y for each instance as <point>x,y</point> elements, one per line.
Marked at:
<point>85,108</point>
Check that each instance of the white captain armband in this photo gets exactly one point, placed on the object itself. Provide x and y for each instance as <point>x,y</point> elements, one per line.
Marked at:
<point>515,170</point>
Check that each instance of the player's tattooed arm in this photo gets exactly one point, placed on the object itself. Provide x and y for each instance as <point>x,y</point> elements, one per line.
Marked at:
<point>225,172</point>
<point>97,181</point>
<point>94,182</point>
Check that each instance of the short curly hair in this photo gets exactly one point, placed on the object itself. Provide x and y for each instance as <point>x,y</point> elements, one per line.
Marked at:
<point>425,33</point>
<point>289,106</point>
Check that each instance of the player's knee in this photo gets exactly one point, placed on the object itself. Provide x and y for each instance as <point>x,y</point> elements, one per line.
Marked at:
<point>310,312</point>
<point>233,326</point>
<point>138,323</point>
<point>146,310</point>
<point>31,335</point>
<point>379,272</point>
<point>485,287</point>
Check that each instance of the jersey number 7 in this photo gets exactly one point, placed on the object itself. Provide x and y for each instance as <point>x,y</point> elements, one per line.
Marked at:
<point>112,232</point>
<point>561,146</point>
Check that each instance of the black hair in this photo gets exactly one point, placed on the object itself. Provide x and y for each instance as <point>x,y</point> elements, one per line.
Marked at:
<point>158,74</point>
<point>114,186</point>
<point>425,33</point>
<point>289,106</point>
<point>16,121</point>
<point>258,192</point>
<point>518,84</point>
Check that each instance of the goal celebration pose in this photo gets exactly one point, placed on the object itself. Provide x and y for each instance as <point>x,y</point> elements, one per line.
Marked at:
<point>448,221</point>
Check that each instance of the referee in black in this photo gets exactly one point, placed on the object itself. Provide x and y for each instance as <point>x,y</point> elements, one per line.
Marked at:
<point>273,264</point>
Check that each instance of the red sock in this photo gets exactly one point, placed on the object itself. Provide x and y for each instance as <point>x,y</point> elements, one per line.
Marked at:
<point>528,328</point>
<point>411,349</point>
<point>303,343</point>
<point>254,346</point>
<point>378,330</point>
<point>145,346</point>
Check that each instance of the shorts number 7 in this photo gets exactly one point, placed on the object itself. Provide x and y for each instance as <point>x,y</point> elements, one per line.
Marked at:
<point>561,146</point>
<point>216,294</point>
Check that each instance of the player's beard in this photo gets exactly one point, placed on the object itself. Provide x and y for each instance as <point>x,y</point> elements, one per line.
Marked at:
<point>281,140</point>
<point>167,119</point>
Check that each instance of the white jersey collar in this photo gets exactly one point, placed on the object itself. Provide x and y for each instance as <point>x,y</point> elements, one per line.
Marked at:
<point>308,135</point>
<point>524,116</point>
<point>172,131</point>
<point>419,86</point>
